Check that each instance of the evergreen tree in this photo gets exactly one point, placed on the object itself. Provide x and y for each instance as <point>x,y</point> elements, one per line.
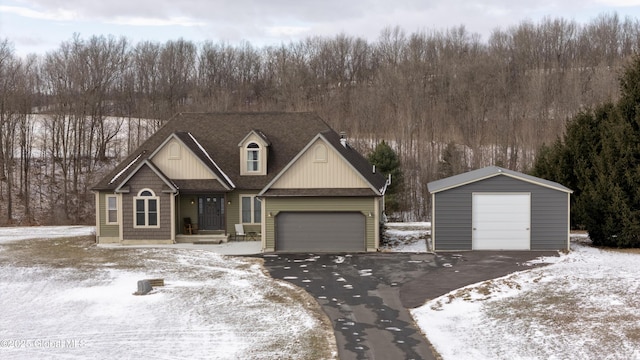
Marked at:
<point>387,163</point>
<point>599,158</point>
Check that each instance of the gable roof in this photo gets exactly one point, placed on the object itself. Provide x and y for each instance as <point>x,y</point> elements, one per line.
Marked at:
<point>359,162</point>
<point>170,184</point>
<point>258,134</point>
<point>190,141</point>
<point>215,136</point>
<point>488,172</point>
<point>376,181</point>
<point>196,149</point>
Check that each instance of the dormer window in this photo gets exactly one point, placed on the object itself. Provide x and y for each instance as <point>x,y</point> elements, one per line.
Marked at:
<point>254,149</point>
<point>253,157</point>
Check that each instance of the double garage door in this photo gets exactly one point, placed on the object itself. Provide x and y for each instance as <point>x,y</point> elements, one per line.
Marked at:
<point>320,232</point>
<point>501,221</point>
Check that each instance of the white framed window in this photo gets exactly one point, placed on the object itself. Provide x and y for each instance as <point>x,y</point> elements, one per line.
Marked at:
<point>111,202</point>
<point>146,210</point>
<point>250,209</point>
<point>253,157</point>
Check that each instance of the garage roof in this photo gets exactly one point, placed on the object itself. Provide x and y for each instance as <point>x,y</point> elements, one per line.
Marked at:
<point>488,172</point>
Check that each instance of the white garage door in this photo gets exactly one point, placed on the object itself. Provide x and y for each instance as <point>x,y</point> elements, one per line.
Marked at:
<point>501,221</point>
<point>320,232</point>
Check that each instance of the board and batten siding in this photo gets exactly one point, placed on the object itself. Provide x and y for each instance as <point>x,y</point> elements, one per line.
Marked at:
<point>179,163</point>
<point>365,205</point>
<point>109,233</point>
<point>145,178</point>
<point>453,212</point>
<point>320,166</point>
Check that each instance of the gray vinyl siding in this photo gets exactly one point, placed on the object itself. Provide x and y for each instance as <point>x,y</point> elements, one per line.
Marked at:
<point>453,209</point>
<point>145,178</point>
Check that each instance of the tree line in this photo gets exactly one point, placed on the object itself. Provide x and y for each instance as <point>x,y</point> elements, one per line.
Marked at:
<point>428,93</point>
<point>599,158</point>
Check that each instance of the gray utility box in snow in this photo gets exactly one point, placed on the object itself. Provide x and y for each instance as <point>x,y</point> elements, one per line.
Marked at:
<point>144,287</point>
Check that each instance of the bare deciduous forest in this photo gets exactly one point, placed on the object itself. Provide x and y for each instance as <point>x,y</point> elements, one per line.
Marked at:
<point>68,116</point>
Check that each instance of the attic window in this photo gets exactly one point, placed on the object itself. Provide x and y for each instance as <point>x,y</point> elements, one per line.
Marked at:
<point>253,157</point>
<point>320,153</point>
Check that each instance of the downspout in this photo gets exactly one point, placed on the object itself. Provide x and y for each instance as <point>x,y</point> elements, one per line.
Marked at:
<point>97,202</point>
<point>433,224</point>
<point>568,221</point>
<point>174,217</point>
<point>263,222</point>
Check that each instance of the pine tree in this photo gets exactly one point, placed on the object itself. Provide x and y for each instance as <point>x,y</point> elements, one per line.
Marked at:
<point>599,158</point>
<point>387,163</point>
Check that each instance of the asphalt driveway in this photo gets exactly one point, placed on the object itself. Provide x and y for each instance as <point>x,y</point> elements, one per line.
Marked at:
<point>366,296</point>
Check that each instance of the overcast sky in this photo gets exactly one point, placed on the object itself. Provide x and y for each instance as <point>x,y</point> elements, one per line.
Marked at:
<point>38,26</point>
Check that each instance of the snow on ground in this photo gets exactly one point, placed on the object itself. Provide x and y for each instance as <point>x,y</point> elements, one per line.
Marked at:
<point>67,298</point>
<point>228,248</point>
<point>582,307</point>
<point>406,237</point>
<point>8,234</point>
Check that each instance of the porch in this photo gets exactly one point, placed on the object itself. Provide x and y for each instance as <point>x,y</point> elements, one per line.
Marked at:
<point>203,238</point>
<point>200,217</point>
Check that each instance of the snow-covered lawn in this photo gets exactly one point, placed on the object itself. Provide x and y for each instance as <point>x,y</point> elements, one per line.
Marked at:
<point>584,306</point>
<point>67,298</point>
<point>406,237</point>
<point>8,234</point>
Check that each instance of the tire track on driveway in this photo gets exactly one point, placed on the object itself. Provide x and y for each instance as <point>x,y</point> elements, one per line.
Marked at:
<point>367,295</point>
<point>368,317</point>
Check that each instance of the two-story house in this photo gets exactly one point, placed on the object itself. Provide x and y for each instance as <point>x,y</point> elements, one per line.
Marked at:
<point>286,177</point>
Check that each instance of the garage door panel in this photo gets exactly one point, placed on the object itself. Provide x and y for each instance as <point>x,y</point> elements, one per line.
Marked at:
<point>320,232</point>
<point>501,221</point>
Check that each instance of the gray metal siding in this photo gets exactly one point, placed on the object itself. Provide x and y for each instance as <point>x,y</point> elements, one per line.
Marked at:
<point>320,232</point>
<point>549,220</point>
<point>453,220</point>
<point>549,213</point>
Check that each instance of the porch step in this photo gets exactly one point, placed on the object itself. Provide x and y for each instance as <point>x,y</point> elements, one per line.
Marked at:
<point>202,239</point>
<point>208,242</point>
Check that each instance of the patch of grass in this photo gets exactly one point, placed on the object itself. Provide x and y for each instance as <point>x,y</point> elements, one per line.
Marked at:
<point>314,345</point>
<point>633,334</point>
<point>625,251</point>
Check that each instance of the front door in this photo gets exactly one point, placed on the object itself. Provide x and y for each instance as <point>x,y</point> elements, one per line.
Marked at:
<point>211,212</point>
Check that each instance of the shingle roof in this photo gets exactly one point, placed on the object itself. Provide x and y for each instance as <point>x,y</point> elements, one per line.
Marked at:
<point>485,173</point>
<point>356,159</point>
<point>338,192</point>
<point>219,134</point>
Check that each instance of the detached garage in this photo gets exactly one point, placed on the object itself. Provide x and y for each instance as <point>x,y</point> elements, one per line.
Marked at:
<point>499,209</point>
